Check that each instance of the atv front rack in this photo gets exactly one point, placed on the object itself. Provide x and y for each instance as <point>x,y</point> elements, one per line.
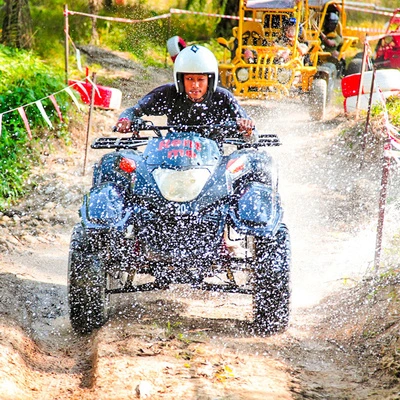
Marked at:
<point>264,140</point>
<point>133,143</point>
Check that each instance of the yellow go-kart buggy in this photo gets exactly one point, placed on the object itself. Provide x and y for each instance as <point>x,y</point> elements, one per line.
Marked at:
<point>263,61</point>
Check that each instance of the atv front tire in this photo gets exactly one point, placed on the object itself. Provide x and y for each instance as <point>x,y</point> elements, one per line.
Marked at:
<point>87,284</point>
<point>271,294</point>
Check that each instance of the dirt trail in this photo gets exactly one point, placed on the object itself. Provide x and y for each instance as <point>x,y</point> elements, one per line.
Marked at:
<point>182,344</point>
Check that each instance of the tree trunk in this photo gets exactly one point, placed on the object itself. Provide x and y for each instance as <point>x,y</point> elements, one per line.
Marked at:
<point>224,28</point>
<point>94,8</point>
<point>17,24</point>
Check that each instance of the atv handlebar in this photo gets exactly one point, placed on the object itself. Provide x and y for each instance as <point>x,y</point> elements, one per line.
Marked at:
<point>227,128</point>
<point>133,143</point>
<point>138,125</point>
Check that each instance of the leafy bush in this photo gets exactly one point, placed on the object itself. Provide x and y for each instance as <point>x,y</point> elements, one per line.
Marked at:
<point>393,106</point>
<point>25,79</point>
<point>393,109</point>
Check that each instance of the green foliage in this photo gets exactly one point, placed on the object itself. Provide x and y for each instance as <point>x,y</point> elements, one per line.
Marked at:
<point>368,20</point>
<point>48,23</point>
<point>15,158</point>
<point>144,40</point>
<point>199,27</point>
<point>393,108</point>
<point>147,40</point>
<point>24,79</point>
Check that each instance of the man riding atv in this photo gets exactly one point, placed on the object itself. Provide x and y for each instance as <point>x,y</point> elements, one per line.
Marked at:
<point>171,213</point>
<point>193,99</point>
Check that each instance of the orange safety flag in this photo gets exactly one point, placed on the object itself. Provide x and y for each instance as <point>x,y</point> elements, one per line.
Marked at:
<point>53,100</point>
<point>25,119</point>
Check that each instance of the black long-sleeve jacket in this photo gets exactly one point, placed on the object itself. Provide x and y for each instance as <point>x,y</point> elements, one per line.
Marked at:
<point>218,107</point>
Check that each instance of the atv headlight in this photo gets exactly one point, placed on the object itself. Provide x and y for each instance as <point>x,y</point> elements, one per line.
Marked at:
<point>181,186</point>
<point>242,74</point>
<point>284,75</point>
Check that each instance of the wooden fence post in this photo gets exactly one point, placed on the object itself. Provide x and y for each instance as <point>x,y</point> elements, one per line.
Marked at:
<point>382,203</point>
<point>66,30</point>
<point>89,126</point>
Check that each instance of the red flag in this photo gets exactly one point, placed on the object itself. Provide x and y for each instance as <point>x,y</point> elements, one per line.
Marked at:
<point>25,119</point>
<point>53,100</point>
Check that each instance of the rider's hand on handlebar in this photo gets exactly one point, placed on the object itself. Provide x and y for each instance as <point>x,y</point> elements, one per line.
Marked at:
<point>125,125</point>
<point>246,126</point>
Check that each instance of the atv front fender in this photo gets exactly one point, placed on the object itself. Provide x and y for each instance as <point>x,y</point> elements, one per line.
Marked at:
<point>105,206</point>
<point>257,211</point>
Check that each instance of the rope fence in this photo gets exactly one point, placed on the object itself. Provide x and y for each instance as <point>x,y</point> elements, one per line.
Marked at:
<point>39,105</point>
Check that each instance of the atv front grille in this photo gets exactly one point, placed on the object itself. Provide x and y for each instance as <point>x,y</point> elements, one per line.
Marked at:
<point>179,237</point>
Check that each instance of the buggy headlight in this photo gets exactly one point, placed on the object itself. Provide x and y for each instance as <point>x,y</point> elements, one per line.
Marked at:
<point>284,75</point>
<point>181,186</point>
<point>242,74</point>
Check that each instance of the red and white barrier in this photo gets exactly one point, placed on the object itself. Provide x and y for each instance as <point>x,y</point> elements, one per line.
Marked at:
<point>104,97</point>
<point>386,80</point>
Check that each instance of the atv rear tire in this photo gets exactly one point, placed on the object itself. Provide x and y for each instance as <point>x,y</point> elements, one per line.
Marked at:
<point>318,99</point>
<point>271,283</point>
<point>87,297</point>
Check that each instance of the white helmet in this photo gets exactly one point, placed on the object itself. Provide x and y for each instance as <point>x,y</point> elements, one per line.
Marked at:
<point>196,59</point>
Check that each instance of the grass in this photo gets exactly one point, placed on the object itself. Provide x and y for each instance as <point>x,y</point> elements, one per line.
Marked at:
<point>24,79</point>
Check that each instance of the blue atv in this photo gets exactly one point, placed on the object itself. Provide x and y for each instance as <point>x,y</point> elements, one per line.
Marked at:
<point>174,212</point>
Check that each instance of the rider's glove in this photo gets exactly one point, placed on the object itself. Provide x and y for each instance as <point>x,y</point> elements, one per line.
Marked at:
<point>247,129</point>
<point>125,125</point>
